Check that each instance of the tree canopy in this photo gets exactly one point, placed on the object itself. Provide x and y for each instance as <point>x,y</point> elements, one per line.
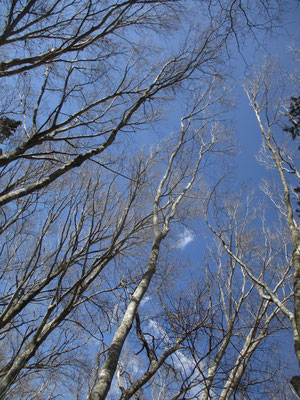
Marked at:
<point>116,142</point>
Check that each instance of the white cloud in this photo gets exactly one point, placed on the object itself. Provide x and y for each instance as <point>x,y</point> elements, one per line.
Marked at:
<point>182,362</point>
<point>157,329</point>
<point>145,300</point>
<point>184,239</point>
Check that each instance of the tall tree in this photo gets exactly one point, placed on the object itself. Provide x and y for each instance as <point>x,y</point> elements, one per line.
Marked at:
<point>266,92</point>
<point>87,215</point>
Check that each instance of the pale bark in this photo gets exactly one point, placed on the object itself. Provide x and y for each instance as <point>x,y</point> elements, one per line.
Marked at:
<point>103,382</point>
<point>82,81</point>
<point>294,230</point>
<point>254,338</point>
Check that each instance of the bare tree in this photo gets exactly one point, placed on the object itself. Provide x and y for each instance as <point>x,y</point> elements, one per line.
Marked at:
<point>96,226</point>
<point>262,259</point>
<point>218,336</point>
<point>268,101</point>
<point>87,215</point>
<point>271,269</point>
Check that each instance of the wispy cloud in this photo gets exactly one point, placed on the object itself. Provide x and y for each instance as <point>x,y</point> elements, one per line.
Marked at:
<point>158,330</point>
<point>181,361</point>
<point>184,239</point>
<point>145,300</point>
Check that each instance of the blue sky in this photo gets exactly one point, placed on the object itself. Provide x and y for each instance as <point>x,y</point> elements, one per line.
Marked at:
<point>246,169</point>
<point>190,241</point>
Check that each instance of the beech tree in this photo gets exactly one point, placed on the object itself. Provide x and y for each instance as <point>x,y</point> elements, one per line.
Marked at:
<point>260,253</point>
<point>112,130</point>
<point>268,102</point>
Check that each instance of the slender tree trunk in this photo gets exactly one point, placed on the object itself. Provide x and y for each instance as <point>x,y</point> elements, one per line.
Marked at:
<point>106,375</point>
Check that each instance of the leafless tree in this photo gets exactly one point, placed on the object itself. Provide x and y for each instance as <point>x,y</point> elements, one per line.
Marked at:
<point>281,159</point>
<point>261,257</point>
<point>271,273</point>
<point>217,336</point>
<point>87,215</point>
<point>269,100</point>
